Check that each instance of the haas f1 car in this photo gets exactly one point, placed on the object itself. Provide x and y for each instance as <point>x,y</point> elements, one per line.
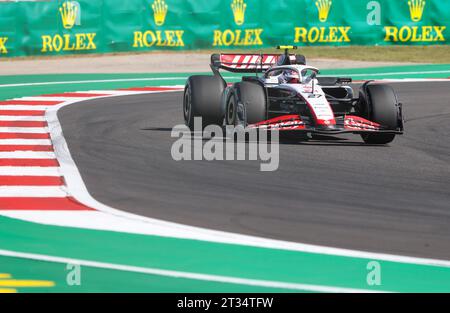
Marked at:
<point>289,96</point>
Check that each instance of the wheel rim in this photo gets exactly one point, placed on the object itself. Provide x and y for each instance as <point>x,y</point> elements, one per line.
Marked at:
<point>187,106</point>
<point>231,111</point>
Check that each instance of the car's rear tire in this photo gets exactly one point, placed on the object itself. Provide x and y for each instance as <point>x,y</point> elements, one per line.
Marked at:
<point>300,59</point>
<point>202,98</point>
<point>253,96</point>
<point>231,110</point>
<point>381,106</point>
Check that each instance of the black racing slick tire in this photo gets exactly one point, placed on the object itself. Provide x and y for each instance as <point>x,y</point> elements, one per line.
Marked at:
<point>202,98</point>
<point>300,59</point>
<point>253,96</point>
<point>382,108</point>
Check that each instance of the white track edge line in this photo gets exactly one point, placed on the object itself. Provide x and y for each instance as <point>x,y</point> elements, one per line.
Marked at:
<point>186,275</point>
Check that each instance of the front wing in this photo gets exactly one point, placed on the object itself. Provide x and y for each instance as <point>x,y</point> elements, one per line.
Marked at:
<point>346,124</point>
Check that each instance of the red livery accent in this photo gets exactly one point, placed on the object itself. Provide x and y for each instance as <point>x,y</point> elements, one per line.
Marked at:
<point>22,113</point>
<point>30,162</point>
<point>42,204</point>
<point>321,122</point>
<point>248,61</point>
<point>31,181</point>
<point>294,122</point>
<point>278,119</point>
<point>359,123</point>
<point>26,148</point>
<point>29,102</point>
<point>23,124</point>
<point>24,136</point>
<point>286,122</point>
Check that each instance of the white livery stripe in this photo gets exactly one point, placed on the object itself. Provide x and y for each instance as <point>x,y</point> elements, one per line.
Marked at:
<point>254,61</point>
<point>245,62</point>
<point>32,130</point>
<point>28,171</point>
<point>27,155</point>
<point>235,60</point>
<point>31,142</point>
<point>27,191</point>
<point>269,59</point>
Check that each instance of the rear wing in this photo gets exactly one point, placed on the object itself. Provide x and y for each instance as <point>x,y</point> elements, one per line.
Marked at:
<point>244,63</point>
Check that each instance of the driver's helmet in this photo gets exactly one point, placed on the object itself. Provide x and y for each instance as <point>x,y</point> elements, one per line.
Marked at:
<point>291,77</point>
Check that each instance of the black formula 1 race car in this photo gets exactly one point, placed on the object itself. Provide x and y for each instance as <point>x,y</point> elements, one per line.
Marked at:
<point>289,96</point>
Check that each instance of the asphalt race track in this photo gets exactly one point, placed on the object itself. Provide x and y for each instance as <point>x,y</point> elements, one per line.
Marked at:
<point>338,192</point>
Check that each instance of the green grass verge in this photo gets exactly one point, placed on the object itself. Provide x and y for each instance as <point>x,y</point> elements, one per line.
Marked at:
<point>54,83</point>
<point>93,279</point>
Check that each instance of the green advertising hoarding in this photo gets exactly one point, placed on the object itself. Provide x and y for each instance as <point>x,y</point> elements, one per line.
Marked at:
<point>101,26</point>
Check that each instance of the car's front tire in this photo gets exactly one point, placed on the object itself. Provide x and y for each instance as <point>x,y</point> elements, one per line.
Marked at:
<point>253,96</point>
<point>380,106</point>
